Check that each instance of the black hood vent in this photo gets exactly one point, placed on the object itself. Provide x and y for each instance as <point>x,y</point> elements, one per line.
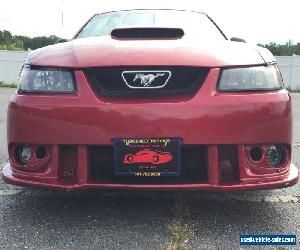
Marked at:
<point>147,33</point>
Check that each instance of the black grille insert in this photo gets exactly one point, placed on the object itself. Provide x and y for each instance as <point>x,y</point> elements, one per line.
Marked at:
<point>193,167</point>
<point>228,163</point>
<point>108,82</point>
<point>68,163</point>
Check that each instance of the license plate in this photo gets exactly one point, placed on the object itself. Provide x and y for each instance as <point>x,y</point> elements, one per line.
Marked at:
<point>150,157</point>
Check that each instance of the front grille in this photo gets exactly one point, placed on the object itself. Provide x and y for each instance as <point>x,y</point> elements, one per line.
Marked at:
<point>228,163</point>
<point>193,167</point>
<point>68,163</point>
<point>108,82</point>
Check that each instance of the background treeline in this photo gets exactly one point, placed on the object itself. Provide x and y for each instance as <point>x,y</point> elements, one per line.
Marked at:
<point>287,49</point>
<point>11,42</point>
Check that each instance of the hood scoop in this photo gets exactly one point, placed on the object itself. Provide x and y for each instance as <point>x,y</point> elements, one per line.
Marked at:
<point>147,33</point>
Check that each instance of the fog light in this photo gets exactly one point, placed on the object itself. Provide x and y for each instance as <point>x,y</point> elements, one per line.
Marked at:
<point>256,154</point>
<point>275,156</point>
<point>25,154</point>
<point>40,152</point>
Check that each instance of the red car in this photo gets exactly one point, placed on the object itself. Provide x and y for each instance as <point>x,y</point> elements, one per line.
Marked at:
<point>165,78</point>
<point>148,156</point>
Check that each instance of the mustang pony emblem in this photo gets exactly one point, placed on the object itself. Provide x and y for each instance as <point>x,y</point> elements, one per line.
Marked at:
<point>146,80</point>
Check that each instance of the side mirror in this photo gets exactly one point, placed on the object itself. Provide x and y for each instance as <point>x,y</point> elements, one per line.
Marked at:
<point>237,39</point>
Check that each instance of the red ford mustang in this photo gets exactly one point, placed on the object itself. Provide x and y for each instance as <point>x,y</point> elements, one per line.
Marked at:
<point>162,80</point>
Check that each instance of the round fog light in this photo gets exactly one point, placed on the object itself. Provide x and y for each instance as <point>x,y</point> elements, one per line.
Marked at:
<point>275,156</point>
<point>40,152</point>
<point>256,154</point>
<point>25,154</point>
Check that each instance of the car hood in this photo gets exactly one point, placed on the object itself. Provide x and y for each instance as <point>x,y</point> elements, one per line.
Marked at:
<point>105,51</point>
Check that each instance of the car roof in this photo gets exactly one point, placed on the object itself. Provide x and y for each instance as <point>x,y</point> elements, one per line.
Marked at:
<point>112,11</point>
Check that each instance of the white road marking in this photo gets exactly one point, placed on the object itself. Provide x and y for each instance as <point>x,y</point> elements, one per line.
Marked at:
<point>248,198</point>
<point>282,199</point>
<point>9,192</point>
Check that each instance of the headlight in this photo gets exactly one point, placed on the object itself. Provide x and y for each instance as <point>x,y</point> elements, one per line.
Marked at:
<point>250,79</point>
<point>46,80</point>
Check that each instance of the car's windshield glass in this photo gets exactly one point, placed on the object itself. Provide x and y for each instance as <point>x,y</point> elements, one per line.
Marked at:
<point>192,23</point>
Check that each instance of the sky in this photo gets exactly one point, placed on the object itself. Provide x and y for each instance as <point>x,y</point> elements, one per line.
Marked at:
<point>257,21</point>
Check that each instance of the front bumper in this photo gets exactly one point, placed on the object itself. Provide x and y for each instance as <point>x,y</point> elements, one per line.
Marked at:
<point>209,119</point>
<point>290,179</point>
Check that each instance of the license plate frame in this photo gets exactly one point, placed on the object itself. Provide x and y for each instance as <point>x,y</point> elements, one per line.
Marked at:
<point>147,157</point>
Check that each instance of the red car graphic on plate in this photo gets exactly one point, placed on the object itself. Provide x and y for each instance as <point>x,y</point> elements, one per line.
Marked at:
<point>148,156</point>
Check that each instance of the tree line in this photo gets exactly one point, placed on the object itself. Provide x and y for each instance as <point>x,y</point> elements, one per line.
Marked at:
<point>15,42</point>
<point>287,49</point>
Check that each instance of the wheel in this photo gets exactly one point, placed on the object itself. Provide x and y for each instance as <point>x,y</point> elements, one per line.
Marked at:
<point>155,158</point>
<point>130,158</point>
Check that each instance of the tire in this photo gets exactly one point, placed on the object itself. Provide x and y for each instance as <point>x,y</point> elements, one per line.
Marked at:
<point>155,159</point>
<point>129,158</point>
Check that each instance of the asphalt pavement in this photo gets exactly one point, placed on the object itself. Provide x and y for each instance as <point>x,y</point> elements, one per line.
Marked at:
<point>44,219</point>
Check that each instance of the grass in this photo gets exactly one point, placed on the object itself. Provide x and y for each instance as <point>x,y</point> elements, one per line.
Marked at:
<point>178,226</point>
<point>7,85</point>
<point>180,236</point>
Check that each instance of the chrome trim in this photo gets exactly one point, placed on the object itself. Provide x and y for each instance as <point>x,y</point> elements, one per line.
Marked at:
<point>145,71</point>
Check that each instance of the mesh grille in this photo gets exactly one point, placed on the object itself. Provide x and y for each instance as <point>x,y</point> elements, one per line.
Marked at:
<point>108,82</point>
<point>228,163</point>
<point>69,163</point>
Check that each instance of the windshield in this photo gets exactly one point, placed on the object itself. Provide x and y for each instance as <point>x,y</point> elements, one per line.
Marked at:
<point>193,23</point>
